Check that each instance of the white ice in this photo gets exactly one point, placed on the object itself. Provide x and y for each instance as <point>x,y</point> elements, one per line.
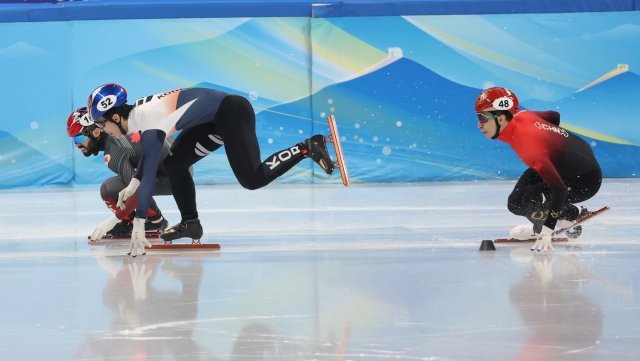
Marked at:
<point>323,272</point>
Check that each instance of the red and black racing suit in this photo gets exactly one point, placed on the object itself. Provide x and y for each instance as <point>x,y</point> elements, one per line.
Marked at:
<point>562,168</point>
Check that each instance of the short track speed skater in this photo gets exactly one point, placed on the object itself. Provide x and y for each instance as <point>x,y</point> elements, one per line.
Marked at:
<point>337,146</point>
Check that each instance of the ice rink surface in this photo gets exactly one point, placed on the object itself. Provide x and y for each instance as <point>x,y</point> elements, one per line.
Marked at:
<point>324,272</point>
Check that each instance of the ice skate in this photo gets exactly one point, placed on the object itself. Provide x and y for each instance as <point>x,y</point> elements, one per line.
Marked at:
<point>184,229</point>
<point>524,233</point>
<point>317,146</point>
<point>337,146</point>
<point>574,229</point>
<point>122,229</point>
<point>155,227</point>
<point>572,232</point>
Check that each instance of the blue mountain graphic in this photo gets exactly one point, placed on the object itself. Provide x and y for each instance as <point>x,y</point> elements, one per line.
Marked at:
<point>436,55</point>
<point>23,166</point>
<point>405,122</point>
<point>608,107</point>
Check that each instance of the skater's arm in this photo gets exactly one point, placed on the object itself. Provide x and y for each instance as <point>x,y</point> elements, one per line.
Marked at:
<point>551,177</point>
<point>549,116</point>
<point>121,162</point>
<point>151,141</point>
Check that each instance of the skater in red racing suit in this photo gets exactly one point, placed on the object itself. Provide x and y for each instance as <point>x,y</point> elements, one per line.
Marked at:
<point>562,167</point>
<point>153,118</point>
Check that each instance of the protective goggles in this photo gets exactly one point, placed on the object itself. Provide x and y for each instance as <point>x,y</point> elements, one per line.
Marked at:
<point>79,139</point>
<point>484,117</point>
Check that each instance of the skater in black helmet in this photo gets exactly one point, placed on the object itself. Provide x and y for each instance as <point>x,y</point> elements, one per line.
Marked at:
<point>562,167</point>
<point>121,156</point>
<point>155,117</point>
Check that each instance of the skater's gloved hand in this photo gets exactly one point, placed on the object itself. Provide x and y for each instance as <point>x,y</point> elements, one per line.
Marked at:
<point>543,243</point>
<point>138,239</point>
<point>103,228</point>
<point>127,192</point>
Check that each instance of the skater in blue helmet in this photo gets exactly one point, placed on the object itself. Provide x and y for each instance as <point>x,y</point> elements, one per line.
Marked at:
<point>153,118</point>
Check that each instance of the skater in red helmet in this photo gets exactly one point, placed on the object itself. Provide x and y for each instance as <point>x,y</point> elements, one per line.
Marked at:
<point>156,117</point>
<point>562,167</point>
<point>121,156</point>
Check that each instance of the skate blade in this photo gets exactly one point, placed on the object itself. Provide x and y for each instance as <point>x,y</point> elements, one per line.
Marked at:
<point>530,240</point>
<point>185,246</point>
<point>593,214</point>
<point>337,146</point>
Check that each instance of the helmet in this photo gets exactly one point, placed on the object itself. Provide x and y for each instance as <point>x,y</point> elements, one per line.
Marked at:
<point>497,99</point>
<point>78,119</point>
<point>104,98</point>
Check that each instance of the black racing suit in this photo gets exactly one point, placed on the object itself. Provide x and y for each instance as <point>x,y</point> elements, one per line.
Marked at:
<point>190,112</point>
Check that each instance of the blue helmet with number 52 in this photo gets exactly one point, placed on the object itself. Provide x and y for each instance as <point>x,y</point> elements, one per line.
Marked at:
<point>105,98</point>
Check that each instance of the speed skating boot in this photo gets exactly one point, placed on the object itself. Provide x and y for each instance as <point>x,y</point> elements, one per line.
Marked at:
<point>122,229</point>
<point>185,229</point>
<point>317,147</point>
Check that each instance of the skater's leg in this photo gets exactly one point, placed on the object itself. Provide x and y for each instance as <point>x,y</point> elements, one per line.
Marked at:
<point>191,145</point>
<point>109,192</point>
<point>581,188</point>
<point>237,125</point>
<point>529,198</point>
<point>529,194</point>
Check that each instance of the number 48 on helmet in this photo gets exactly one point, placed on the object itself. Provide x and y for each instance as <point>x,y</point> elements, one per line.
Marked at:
<point>497,98</point>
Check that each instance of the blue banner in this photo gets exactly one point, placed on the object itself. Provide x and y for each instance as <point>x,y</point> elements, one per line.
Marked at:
<point>401,87</point>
